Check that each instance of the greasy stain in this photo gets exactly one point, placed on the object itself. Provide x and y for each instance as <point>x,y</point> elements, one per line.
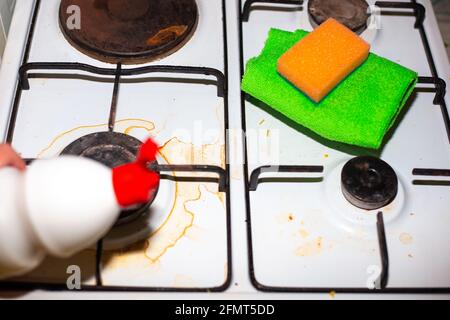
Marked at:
<point>311,248</point>
<point>213,154</point>
<point>140,123</point>
<point>179,219</point>
<point>303,233</point>
<point>406,238</point>
<point>158,248</point>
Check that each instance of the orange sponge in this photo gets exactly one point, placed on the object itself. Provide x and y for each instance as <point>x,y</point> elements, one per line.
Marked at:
<point>322,59</point>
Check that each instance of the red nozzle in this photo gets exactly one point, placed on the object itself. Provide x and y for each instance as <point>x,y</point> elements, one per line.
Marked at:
<point>148,152</point>
<point>134,182</point>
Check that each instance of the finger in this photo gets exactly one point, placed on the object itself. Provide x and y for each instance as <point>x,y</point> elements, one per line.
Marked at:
<point>8,157</point>
<point>17,162</point>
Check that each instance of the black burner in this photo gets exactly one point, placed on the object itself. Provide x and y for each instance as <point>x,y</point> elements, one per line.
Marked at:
<point>351,13</point>
<point>112,149</point>
<point>369,183</point>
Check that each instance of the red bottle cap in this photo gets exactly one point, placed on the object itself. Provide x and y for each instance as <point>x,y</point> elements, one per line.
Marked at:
<point>134,182</point>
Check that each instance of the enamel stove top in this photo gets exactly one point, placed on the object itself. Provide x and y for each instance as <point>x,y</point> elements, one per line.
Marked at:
<point>238,217</point>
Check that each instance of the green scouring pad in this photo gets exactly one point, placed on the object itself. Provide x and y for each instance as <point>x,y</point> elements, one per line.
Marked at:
<point>359,111</point>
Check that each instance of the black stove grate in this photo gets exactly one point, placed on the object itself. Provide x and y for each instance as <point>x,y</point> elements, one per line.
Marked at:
<point>118,73</point>
<point>252,180</point>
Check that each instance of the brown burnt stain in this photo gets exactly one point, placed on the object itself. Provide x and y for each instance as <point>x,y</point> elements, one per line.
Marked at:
<point>285,217</point>
<point>166,35</point>
<point>138,246</point>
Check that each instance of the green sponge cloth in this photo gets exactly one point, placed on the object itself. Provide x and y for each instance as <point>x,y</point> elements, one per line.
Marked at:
<point>359,111</point>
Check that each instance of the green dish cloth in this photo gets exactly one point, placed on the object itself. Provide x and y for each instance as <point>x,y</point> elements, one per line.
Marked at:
<point>359,111</point>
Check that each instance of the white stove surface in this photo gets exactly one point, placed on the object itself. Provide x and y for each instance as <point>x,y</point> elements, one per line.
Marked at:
<point>304,234</point>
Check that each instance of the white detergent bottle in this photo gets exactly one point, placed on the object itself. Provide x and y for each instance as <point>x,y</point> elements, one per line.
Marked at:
<point>61,206</point>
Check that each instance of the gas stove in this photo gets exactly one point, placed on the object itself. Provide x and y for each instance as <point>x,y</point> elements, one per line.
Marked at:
<point>279,214</point>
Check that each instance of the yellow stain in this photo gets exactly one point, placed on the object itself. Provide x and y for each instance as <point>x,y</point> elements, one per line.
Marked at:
<point>150,127</point>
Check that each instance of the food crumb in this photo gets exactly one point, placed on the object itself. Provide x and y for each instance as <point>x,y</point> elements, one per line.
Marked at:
<point>332,294</point>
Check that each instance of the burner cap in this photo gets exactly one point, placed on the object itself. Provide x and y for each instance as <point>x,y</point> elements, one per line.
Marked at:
<point>112,149</point>
<point>369,183</point>
<point>128,31</point>
<point>351,13</point>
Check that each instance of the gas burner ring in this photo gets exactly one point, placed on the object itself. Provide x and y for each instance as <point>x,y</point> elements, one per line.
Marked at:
<point>352,13</point>
<point>369,183</point>
<point>351,218</point>
<point>111,149</point>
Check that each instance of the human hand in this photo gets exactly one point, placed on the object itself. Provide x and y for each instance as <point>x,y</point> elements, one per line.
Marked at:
<point>9,158</point>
